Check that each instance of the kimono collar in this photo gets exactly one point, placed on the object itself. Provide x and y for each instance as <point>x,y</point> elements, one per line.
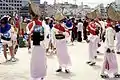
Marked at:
<point>59,27</point>
<point>109,25</point>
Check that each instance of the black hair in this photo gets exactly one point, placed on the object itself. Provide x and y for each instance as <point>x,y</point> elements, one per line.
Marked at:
<point>46,21</point>
<point>4,20</point>
<point>92,19</point>
<point>80,20</point>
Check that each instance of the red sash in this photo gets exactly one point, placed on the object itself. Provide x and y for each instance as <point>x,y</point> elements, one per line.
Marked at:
<point>61,28</point>
<point>92,28</point>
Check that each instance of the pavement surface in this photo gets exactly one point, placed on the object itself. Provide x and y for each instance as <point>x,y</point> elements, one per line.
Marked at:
<point>20,70</point>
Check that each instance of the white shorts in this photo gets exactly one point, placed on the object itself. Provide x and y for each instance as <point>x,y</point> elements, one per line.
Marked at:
<point>9,43</point>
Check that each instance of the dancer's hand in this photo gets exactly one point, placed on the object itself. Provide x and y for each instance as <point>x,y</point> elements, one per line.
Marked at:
<point>113,51</point>
<point>108,50</point>
<point>60,32</point>
<point>87,41</point>
<point>99,45</point>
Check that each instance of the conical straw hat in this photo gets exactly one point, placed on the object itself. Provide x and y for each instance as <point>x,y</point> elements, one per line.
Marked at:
<point>34,9</point>
<point>59,16</point>
<point>94,14</point>
<point>113,14</point>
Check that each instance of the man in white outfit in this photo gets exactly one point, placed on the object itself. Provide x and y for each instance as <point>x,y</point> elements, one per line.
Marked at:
<point>79,30</point>
<point>117,29</point>
<point>47,33</point>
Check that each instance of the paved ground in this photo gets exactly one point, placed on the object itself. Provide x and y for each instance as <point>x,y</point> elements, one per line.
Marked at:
<point>79,70</point>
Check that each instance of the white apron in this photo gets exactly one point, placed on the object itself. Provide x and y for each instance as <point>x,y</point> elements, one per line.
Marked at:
<point>93,46</point>
<point>62,53</point>
<point>38,63</point>
<point>110,63</point>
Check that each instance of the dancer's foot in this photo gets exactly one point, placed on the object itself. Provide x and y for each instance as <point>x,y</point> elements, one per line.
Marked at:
<point>118,52</point>
<point>104,76</point>
<point>59,70</point>
<point>29,51</point>
<point>117,75</point>
<point>7,60</point>
<point>88,62</point>
<point>98,52</point>
<point>67,71</point>
<point>93,64</point>
<point>95,57</point>
<point>12,59</point>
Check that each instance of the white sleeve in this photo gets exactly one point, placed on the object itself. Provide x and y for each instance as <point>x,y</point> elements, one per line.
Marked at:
<point>110,38</point>
<point>27,29</point>
<point>82,27</point>
<point>66,34</point>
<point>77,25</point>
<point>11,34</point>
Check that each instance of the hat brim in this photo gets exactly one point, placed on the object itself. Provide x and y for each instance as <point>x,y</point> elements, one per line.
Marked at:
<point>34,9</point>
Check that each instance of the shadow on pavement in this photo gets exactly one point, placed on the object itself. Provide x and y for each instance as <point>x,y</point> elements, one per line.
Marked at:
<point>9,62</point>
<point>100,54</point>
<point>96,67</point>
<point>65,76</point>
<point>50,56</point>
<point>99,59</point>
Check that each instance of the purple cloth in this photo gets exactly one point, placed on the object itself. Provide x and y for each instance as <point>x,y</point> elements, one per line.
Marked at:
<point>5,29</point>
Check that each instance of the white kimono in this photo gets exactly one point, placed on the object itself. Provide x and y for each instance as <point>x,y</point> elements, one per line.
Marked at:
<point>47,35</point>
<point>62,52</point>
<point>110,62</point>
<point>93,46</point>
<point>38,65</point>
<point>38,62</point>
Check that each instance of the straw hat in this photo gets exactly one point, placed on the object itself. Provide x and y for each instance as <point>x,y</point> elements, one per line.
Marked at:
<point>59,16</point>
<point>94,14</point>
<point>113,14</point>
<point>34,9</point>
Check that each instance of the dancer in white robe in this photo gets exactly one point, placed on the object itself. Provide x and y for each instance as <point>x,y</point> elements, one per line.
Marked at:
<point>93,41</point>
<point>62,53</point>
<point>47,33</point>
<point>38,58</point>
<point>110,65</point>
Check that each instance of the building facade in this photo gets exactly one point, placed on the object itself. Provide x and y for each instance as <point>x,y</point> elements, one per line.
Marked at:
<point>24,2</point>
<point>102,11</point>
<point>117,2</point>
<point>36,1</point>
<point>67,9</point>
<point>7,7</point>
